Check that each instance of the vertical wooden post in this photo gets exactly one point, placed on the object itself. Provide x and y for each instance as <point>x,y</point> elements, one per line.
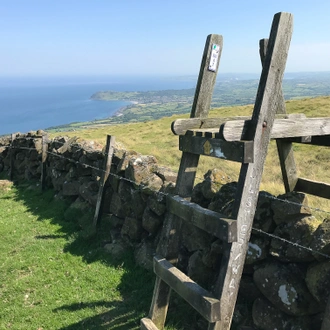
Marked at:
<point>104,176</point>
<point>284,149</point>
<point>250,175</point>
<point>11,173</point>
<point>169,242</point>
<point>207,76</point>
<point>44,147</point>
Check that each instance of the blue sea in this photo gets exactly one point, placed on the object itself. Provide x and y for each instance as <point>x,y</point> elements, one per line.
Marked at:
<point>33,103</point>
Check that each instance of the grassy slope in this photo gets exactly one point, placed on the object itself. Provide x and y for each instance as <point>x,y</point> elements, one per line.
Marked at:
<point>156,138</point>
<point>54,276</point>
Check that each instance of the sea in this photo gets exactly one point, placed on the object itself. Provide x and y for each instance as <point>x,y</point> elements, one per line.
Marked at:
<point>32,103</point>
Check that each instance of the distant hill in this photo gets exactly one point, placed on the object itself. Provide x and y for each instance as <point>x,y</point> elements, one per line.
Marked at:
<point>230,90</point>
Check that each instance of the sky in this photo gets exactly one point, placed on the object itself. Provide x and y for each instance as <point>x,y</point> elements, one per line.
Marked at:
<point>152,37</point>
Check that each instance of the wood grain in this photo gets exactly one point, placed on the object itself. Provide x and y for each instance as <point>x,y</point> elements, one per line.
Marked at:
<point>212,222</point>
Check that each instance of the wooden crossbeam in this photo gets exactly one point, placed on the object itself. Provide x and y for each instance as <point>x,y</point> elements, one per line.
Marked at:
<point>147,324</point>
<point>212,222</point>
<point>316,188</point>
<point>199,298</point>
<point>238,151</point>
<point>236,130</point>
<point>181,126</point>
<point>311,140</point>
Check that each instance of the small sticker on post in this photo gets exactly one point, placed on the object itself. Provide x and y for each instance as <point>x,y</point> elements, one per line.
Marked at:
<point>214,58</point>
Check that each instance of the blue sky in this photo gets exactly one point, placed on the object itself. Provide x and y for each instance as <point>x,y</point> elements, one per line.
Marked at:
<point>151,37</point>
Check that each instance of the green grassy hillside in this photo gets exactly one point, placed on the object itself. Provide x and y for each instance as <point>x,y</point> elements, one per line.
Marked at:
<point>155,138</point>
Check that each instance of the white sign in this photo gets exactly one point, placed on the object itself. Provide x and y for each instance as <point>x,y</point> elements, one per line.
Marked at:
<point>214,58</point>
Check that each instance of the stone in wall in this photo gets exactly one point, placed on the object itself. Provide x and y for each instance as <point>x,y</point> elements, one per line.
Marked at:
<point>264,215</point>
<point>284,286</point>
<point>198,271</point>
<point>222,201</point>
<point>290,205</point>
<point>138,203</point>
<point>321,240</point>
<point>132,229</point>
<point>257,250</point>
<point>300,230</point>
<point>318,281</point>
<point>266,317</point>
<point>151,222</point>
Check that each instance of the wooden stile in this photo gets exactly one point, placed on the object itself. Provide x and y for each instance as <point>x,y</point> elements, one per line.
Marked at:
<point>207,142</point>
<point>240,139</point>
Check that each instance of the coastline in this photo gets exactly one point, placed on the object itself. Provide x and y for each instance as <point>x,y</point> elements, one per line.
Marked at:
<point>120,111</point>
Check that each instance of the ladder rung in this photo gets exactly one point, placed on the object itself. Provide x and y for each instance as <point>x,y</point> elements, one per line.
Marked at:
<point>312,140</point>
<point>283,128</point>
<point>195,295</point>
<point>238,151</point>
<point>147,324</point>
<point>212,222</point>
<point>316,188</point>
<point>181,126</point>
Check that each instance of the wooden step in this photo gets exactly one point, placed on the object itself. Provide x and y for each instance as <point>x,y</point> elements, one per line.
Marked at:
<point>212,222</point>
<point>181,126</point>
<point>147,324</point>
<point>316,188</point>
<point>311,140</point>
<point>238,151</point>
<point>195,295</point>
<point>236,130</point>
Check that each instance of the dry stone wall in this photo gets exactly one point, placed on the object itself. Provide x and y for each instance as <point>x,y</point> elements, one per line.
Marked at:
<point>283,286</point>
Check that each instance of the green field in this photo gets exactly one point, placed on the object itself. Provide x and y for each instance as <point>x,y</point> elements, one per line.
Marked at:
<point>53,276</point>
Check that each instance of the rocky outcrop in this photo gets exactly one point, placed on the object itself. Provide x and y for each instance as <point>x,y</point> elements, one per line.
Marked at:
<point>285,283</point>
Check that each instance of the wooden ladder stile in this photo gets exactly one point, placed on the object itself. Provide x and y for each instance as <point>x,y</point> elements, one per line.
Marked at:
<point>217,307</point>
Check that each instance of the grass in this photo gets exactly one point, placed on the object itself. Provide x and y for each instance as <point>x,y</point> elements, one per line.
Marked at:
<point>155,138</point>
<point>52,276</point>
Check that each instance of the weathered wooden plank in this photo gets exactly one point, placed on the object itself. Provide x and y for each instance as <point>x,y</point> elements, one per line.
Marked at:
<point>284,149</point>
<point>109,148</point>
<point>206,79</point>
<point>315,188</point>
<point>238,151</point>
<point>11,173</point>
<point>212,222</point>
<point>147,324</point>
<point>312,140</point>
<point>235,130</point>
<point>43,162</point>
<point>181,126</point>
<point>195,295</point>
<point>250,174</point>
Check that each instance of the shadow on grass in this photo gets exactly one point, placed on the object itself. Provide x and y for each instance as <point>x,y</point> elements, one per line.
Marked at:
<point>117,317</point>
<point>136,283</point>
